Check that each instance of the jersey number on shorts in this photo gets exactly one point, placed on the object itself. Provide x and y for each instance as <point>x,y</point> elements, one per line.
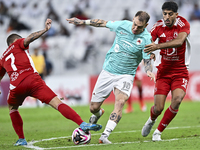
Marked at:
<point>11,56</point>
<point>185,82</point>
<point>126,86</point>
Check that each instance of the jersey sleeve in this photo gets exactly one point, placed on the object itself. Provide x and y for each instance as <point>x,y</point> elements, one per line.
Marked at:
<point>154,32</point>
<point>21,43</point>
<point>113,25</point>
<point>185,28</point>
<point>148,41</point>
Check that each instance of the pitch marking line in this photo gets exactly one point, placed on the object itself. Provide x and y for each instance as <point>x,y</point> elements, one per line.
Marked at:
<point>30,144</point>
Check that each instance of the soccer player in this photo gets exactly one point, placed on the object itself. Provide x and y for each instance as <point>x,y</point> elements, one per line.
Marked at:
<point>25,81</point>
<point>138,83</point>
<point>172,32</point>
<point>119,66</point>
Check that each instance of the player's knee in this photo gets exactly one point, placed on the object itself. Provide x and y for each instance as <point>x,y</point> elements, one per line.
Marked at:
<point>177,101</point>
<point>158,109</point>
<point>94,107</point>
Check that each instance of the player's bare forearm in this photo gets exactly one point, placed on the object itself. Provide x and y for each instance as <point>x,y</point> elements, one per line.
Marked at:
<point>98,23</point>
<point>92,22</point>
<point>36,35</point>
<point>147,65</point>
<point>33,36</point>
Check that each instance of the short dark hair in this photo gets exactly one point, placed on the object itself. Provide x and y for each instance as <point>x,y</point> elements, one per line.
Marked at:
<point>170,6</point>
<point>143,16</point>
<point>12,37</point>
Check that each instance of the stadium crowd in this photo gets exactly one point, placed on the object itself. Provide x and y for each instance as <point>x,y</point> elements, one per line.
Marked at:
<point>67,50</point>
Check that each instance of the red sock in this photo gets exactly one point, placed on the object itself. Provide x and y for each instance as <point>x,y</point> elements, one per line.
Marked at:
<point>167,118</point>
<point>153,115</point>
<point>69,113</point>
<point>17,123</point>
<point>140,94</point>
<point>129,102</point>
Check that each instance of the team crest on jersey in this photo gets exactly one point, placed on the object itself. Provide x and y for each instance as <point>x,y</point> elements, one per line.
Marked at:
<point>175,34</point>
<point>14,76</point>
<point>139,41</point>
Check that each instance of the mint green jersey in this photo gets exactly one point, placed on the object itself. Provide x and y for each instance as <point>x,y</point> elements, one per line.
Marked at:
<point>127,50</point>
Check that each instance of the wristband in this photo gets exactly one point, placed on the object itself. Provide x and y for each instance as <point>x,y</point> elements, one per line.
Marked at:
<point>87,22</point>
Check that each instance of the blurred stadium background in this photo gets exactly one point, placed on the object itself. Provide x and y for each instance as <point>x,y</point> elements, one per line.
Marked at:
<point>77,53</point>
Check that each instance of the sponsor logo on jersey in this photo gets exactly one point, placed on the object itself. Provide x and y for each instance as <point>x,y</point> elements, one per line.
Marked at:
<point>163,35</point>
<point>14,76</point>
<point>123,33</point>
<point>116,49</point>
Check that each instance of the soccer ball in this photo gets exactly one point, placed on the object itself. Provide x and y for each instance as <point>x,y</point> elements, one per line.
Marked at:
<point>81,137</point>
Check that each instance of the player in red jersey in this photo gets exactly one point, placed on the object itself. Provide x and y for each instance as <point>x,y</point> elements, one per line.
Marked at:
<point>172,33</point>
<point>25,81</point>
<point>138,83</point>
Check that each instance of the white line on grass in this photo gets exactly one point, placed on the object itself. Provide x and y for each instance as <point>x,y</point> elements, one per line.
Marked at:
<point>30,144</point>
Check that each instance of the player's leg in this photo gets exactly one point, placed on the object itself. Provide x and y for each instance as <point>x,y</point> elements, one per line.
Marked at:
<point>70,114</point>
<point>41,91</point>
<point>155,111</point>
<point>178,88</point>
<point>96,110</point>
<point>170,113</point>
<point>17,124</point>
<point>115,116</point>
<point>162,89</point>
<point>100,92</point>
<point>143,106</point>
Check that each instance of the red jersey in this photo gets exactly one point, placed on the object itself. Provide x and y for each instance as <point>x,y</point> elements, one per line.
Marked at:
<point>17,62</point>
<point>173,60</point>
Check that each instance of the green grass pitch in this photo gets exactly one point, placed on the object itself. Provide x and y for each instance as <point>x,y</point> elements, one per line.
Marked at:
<point>45,128</point>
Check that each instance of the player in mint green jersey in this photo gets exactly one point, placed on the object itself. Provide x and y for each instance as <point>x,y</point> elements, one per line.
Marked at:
<point>120,66</point>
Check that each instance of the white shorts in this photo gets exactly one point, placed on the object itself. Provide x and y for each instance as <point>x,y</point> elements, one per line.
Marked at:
<point>106,82</point>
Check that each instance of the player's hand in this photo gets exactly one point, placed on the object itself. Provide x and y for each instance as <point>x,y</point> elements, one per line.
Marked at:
<point>76,21</point>
<point>48,24</point>
<point>153,56</point>
<point>150,47</point>
<point>152,76</point>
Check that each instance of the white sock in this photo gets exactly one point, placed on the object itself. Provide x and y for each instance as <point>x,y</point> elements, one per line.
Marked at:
<point>99,113</point>
<point>110,127</point>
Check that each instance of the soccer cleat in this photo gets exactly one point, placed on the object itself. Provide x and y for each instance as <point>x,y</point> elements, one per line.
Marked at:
<point>156,135</point>
<point>104,139</point>
<point>147,127</point>
<point>88,126</point>
<point>20,142</point>
<point>94,119</point>
<point>128,110</point>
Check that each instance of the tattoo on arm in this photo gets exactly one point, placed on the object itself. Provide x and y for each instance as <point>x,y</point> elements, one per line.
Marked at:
<point>98,23</point>
<point>114,117</point>
<point>147,65</point>
<point>33,36</point>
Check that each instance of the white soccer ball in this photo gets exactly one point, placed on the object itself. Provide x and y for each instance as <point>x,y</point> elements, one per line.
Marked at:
<point>81,137</point>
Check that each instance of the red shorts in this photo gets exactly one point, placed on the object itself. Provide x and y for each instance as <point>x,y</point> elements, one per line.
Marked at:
<point>164,85</point>
<point>33,86</point>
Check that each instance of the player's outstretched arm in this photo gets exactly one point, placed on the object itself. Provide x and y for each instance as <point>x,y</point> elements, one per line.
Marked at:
<point>149,68</point>
<point>36,35</point>
<point>177,42</point>
<point>92,22</point>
